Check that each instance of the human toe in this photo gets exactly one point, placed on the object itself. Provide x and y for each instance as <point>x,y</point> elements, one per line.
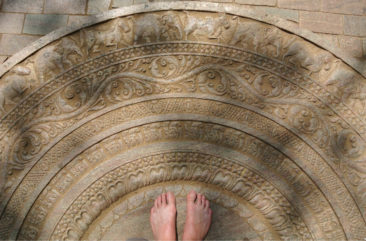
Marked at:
<point>170,198</point>
<point>207,204</point>
<point>203,200</point>
<point>199,199</point>
<point>163,199</point>
<point>159,201</point>
<point>191,196</point>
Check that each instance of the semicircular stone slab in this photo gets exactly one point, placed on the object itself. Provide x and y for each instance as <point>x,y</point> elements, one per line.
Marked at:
<point>95,125</point>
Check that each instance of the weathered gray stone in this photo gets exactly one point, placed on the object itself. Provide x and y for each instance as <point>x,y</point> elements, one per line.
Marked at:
<point>77,19</point>
<point>23,6</point>
<point>353,45</point>
<point>355,25</point>
<point>217,110</point>
<point>357,7</point>
<point>2,57</point>
<point>322,22</point>
<point>332,39</point>
<point>312,5</point>
<point>121,3</point>
<point>364,46</point>
<point>65,6</point>
<point>12,43</point>
<point>97,6</point>
<point>11,22</point>
<point>140,1</point>
<point>43,23</point>
<point>219,1</point>
<point>288,14</point>
<point>257,2</point>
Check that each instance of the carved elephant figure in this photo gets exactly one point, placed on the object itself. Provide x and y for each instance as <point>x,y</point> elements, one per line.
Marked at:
<point>17,85</point>
<point>148,29</point>
<point>296,53</point>
<point>171,27</point>
<point>343,83</point>
<point>263,38</point>
<point>212,27</point>
<point>272,37</point>
<point>69,47</point>
<point>119,33</point>
<point>54,59</point>
<point>347,86</point>
<point>94,40</point>
<point>299,55</point>
<point>248,32</point>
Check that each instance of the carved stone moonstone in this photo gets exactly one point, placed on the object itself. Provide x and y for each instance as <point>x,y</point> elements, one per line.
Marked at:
<point>270,127</point>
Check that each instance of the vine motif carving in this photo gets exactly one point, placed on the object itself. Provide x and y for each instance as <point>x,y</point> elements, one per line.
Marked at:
<point>314,94</point>
<point>130,138</point>
<point>104,88</point>
<point>198,131</point>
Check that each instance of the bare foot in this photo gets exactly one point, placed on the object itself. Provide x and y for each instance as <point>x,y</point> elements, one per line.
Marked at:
<point>163,217</point>
<point>198,219</point>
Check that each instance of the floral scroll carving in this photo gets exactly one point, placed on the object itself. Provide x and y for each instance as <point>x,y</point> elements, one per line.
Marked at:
<point>150,77</point>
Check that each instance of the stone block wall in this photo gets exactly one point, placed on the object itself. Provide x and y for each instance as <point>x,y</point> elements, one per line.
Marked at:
<point>341,22</point>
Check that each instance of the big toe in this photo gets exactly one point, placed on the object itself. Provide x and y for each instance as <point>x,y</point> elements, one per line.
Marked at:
<point>191,197</point>
<point>170,198</point>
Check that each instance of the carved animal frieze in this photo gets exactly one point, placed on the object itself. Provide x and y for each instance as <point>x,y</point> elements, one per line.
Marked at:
<point>207,27</point>
<point>290,114</point>
<point>53,60</point>
<point>15,85</point>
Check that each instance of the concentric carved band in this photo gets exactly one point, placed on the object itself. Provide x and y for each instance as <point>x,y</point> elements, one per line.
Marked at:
<point>246,77</point>
<point>116,144</point>
<point>169,168</point>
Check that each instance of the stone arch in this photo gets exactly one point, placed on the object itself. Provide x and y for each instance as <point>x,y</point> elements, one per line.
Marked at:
<point>98,121</point>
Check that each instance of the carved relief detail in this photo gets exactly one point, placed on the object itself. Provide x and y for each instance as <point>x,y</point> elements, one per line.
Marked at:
<point>296,85</point>
<point>202,75</point>
<point>179,166</point>
<point>231,140</point>
<point>122,208</point>
<point>189,130</point>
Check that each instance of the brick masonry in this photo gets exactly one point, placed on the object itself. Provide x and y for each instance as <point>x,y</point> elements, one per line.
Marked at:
<point>12,43</point>
<point>13,26</point>
<point>77,19</point>
<point>121,3</point>
<point>340,22</point>
<point>310,5</point>
<point>355,25</point>
<point>322,22</point>
<point>288,14</point>
<point>97,6</point>
<point>65,6</point>
<point>356,7</point>
<point>22,6</point>
<point>42,24</point>
<point>257,2</point>
<point>352,44</point>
